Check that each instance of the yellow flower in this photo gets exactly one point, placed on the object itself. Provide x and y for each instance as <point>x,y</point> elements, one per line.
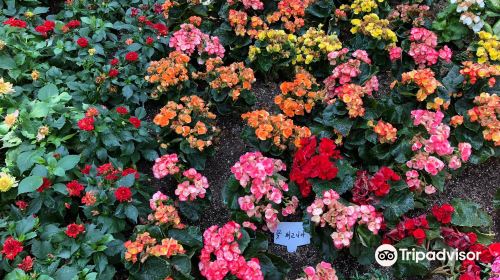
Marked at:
<point>5,87</point>
<point>92,51</point>
<point>2,44</point>
<point>35,75</point>
<point>7,182</point>
<point>11,119</point>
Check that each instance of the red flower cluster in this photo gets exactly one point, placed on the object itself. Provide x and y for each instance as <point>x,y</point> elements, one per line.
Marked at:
<point>82,42</point>
<point>378,185</point>
<point>11,248</point>
<point>16,23</point>
<point>26,264</point>
<point>459,240</point>
<point>135,122</point>
<point>86,124</point>
<point>131,56</point>
<point>123,194</point>
<point>73,230</point>
<point>21,204</point>
<point>309,163</point>
<point>72,24</point>
<point>443,213</point>
<point>470,270</point>
<point>121,110</point>
<point>46,27</point>
<point>408,227</point>
<point>74,188</point>
<point>113,73</point>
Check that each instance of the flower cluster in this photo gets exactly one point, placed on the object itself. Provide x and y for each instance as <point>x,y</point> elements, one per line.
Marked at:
<point>314,45</point>
<point>314,161</point>
<point>385,131</point>
<point>166,165</point>
<point>221,255</point>
<point>488,48</point>
<point>235,78</point>
<point>323,271</point>
<point>299,96</point>
<point>276,44</point>
<point>409,13</point>
<point>367,190</point>
<point>146,246</point>
<point>290,13</point>
<point>169,72</point>
<point>341,82</point>
<point>195,186</point>
<point>371,25</point>
<point>258,175</point>
<point>423,47</point>
<point>248,4</point>
<point>11,248</point>
<point>469,13</point>
<point>73,230</point>
<point>190,119</point>
<point>328,210</point>
<point>164,212</point>
<point>414,227</point>
<point>486,112</point>
<point>438,144</point>
<point>361,6</point>
<point>424,79</point>
<point>443,213</point>
<point>475,71</point>
<point>278,128</point>
<point>189,38</point>
<point>7,182</point>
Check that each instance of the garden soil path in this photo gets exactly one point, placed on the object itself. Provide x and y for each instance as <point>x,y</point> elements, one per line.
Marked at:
<point>477,183</point>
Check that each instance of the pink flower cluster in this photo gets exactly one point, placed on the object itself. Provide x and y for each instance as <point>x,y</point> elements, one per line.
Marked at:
<point>346,71</point>
<point>329,210</point>
<point>254,4</point>
<point>158,197</point>
<point>221,255</point>
<point>437,144</point>
<point>495,269</point>
<point>395,53</point>
<point>259,176</point>
<point>195,186</point>
<point>323,271</point>
<point>166,165</point>
<point>423,47</point>
<point>189,38</point>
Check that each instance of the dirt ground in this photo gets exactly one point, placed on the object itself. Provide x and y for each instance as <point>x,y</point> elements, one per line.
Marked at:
<point>477,183</point>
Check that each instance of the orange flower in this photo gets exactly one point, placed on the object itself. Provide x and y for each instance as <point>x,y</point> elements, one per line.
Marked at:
<point>168,72</point>
<point>134,248</point>
<point>166,215</point>
<point>456,120</point>
<point>386,132</point>
<point>169,247</point>
<point>278,128</point>
<point>300,95</point>
<point>424,79</point>
<point>486,113</point>
<point>474,71</point>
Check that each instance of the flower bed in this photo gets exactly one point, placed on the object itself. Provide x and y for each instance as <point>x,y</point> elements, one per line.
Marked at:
<point>377,107</point>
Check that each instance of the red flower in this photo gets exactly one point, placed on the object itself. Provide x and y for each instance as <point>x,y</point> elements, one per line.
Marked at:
<point>114,61</point>
<point>86,124</point>
<point>443,213</point>
<point>419,235</point>
<point>113,73</point>
<point>149,41</point>
<point>130,171</point>
<point>161,29</point>
<point>82,42</point>
<point>11,248</point>
<point>379,182</point>
<point>26,264</point>
<point>484,253</point>
<point>74,188</point>
<point>121,110</point>
<point>135,122</point>
<point>46,27</point>
<point>15,23</point>
<point>21,204</point>
<point>456,239</point>
<point>131,56</point>
<point>494,249</point>
<point>123,194</point>
<point>46,183</point>
<point>86,169</point>
<point>73,24</point>
<point>73,230</point>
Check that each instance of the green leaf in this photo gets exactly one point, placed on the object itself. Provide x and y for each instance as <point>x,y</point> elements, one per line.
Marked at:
<point>29,184</point>
<point>7,62</point>
<point>469,214</point>
<point>231,193</point>
<point>131,212</point>
<point>66,273</point>
<point>68,162</point>
<point>190,236</point>
<point>47,92</point>
<point>397,203</point>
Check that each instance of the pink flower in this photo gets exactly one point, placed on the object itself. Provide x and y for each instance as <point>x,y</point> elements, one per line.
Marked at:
<point>195,186</point>
<point>430,189</point>
<point>165,165</point>
<point>454,163</point>
<point>395,53</point>
<point>156,198</point>
<point>433,165</point>
<point>445,54</point>
<point>465,150</point>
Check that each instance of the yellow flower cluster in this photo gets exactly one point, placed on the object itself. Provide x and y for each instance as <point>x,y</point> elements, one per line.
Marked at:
<point>488,47</point>
<point>372,25</point>
<point>276,42</point>
<point>315,44</point>
<point>361,6</point>
<point>7,182</point>
<point>5,87</point>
